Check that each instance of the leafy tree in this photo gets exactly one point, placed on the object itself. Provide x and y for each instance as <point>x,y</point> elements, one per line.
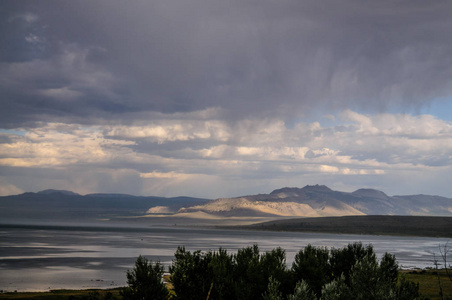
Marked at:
<point>343,260</point>
<point>367,282</point>
<point>352,272</point>
<point>273,264</point>
<point>373,281</point>
<point>221,269</point>
<point>366,279</point>
<point>273,292</point>
<point>336,290</point>
<point>248,276</point>
<point>302,292</point>
<point>189,274</point>
<point>312,265</point>
<point>389,269</point>
<point>408,290</point>
<point>145,281</point>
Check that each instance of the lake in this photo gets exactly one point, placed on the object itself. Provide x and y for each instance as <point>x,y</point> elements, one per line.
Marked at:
<point>42,257</point>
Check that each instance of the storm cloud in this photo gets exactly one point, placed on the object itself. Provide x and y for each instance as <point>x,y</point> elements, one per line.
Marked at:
<point>241,95</point>
<point>88,59</point>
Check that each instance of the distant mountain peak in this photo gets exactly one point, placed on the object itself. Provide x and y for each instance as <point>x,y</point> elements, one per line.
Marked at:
<point>52,191</point>
<point>317,188</point>
<point>287,192</point>
<point>370,193</point>
<point>295,192</point>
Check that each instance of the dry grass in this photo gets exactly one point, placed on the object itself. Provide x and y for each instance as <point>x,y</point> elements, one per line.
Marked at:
<point>428,282</point>
<point>60,294</point>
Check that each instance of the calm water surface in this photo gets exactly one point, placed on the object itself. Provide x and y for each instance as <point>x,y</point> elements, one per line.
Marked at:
<point>49,257</point>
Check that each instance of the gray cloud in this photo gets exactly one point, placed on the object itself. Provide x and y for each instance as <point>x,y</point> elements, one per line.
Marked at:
<point>84,61</point>
<point>223,98</point>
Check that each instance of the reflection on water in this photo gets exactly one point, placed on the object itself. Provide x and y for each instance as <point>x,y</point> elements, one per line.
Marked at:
<point>45,257</point>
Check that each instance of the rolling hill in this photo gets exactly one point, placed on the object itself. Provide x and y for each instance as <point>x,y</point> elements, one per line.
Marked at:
<point>66,205</point>
<point>373,225</point>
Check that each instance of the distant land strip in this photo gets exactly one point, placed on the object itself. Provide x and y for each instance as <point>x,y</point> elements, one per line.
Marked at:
<point>425,226</point>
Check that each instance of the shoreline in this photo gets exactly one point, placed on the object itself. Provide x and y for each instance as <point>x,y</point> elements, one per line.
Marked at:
<point>378,225</point>
<point>90,265</point>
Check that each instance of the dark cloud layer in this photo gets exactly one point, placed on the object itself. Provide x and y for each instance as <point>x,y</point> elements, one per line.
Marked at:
<point>88,60</point>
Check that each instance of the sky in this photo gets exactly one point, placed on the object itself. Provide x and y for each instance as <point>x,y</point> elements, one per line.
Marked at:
<point>214,98</point>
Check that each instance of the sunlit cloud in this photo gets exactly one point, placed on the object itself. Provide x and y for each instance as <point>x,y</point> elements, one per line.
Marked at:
<point>170,131</point>
<point>164,175</point>
<point>371,145</point>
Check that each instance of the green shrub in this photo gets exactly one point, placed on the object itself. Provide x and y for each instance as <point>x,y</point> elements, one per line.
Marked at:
<point>145,281</point>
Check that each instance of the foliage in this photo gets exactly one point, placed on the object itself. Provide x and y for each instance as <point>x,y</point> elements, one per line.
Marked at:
<point>220,269</point>
<point>312,265</point>
<point>336,290</point>
<point>389,269</point>
<point>248,278</point>
<point>244,275</point>
<point>145,281</point>
<point>343,260</point>
<point>190,274</point>
<point>302,292</point>
<point>367,282</point>
<point>407,290</point>
<point>273,265</point>
<point>353,272</point>
<point>273,292</point>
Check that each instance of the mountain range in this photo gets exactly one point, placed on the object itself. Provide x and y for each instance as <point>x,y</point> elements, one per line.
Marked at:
<point>321,201</point>
<point>309,201</point>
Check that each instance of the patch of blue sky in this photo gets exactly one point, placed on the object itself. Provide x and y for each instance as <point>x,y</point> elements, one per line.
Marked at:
<point>441,108</point>
<point>13,131</point>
